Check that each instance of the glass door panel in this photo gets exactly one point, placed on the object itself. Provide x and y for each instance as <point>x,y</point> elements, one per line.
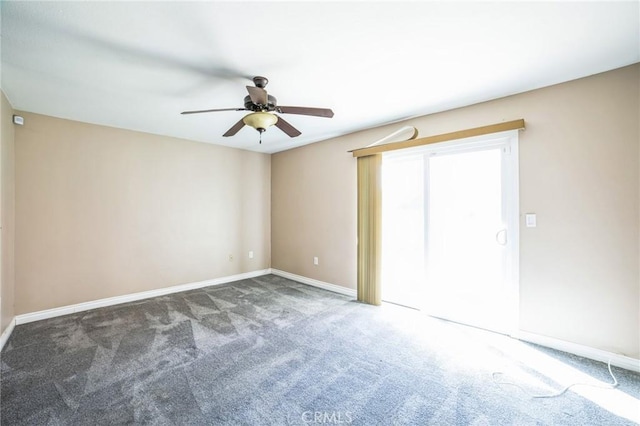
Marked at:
<point>403,230</point>
<point>465,238</point>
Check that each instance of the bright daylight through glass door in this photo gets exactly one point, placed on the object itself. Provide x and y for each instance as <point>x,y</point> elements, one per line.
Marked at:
<point>447,234</point>
<point>403,223</point>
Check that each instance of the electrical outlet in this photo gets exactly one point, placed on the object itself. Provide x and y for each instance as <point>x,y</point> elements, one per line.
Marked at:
<point>251,255</point>
<point>315,260</point>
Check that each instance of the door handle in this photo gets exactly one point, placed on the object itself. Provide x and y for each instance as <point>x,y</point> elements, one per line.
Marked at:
<point>501,237</point>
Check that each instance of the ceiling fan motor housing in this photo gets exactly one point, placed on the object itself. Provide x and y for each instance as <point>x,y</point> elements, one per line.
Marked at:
<point>271,104</point>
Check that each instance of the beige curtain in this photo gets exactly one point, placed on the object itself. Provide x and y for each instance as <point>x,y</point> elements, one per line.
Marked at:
<point>369,228</point>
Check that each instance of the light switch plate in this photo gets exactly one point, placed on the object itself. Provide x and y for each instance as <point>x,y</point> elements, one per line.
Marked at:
<point>530,220</point>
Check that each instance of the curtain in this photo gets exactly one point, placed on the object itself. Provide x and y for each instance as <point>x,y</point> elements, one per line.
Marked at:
<point>369,228</point>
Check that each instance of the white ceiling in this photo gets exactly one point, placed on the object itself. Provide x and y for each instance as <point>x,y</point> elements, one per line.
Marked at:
<point>137,65</point>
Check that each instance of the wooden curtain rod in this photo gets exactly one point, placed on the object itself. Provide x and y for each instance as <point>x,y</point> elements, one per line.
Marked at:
<point>460,134</point>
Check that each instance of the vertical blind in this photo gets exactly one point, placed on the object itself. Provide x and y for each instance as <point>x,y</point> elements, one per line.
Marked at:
<point>369,228</point>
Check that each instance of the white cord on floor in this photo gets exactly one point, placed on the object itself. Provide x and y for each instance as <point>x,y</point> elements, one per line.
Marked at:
<point>554,395</point>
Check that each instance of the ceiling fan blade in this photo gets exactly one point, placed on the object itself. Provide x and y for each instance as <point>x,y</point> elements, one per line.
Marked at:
<point>316,112</point>
<point>213,110</point>
<point>258,96</point>
<point>287,128</point>
<point>236,127</point>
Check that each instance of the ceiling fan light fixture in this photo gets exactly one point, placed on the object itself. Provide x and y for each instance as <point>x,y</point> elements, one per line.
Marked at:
<point>260,121</point>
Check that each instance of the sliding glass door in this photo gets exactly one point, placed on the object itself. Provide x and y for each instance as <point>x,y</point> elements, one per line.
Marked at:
<point>450,231</point>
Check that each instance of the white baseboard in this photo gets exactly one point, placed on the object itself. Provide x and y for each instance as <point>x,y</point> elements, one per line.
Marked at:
<point>617,360</point>
<point>4,337</point>
<point>315,283</point>
<point>110,301</point>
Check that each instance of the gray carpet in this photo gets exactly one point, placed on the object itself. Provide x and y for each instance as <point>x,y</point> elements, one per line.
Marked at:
<point>270,351</point>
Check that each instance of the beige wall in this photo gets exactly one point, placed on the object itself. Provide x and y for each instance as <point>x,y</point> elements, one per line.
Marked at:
<point>579,171</point>
<point>313,201</point>
<point>7,211</point>
<point>103,212</point>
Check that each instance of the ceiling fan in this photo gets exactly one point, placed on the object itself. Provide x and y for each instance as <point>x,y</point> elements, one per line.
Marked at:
<point>264,107</point>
